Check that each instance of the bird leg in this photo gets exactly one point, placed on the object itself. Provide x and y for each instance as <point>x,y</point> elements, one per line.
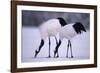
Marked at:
<point>55,52</point>
<point>41,45</point>
<point>56,49</point>
<point>67,49</point>
<point>70,48</point>
<point>56,41</point>
<point>49,48</point>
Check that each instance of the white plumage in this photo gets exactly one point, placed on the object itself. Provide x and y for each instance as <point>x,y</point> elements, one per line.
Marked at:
<point>49,28</point>
<point>67,31</point>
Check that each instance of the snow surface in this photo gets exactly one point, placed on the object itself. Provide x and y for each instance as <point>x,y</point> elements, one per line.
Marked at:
<point>31,40</point>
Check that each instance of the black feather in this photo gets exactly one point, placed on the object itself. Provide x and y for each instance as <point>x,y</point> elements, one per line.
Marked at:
<point>62,21</point>
<point>79,27</point>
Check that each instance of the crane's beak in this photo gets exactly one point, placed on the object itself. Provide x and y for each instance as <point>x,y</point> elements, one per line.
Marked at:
<point>84,29</point>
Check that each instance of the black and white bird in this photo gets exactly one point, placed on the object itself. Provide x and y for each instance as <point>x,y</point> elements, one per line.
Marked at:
<point>58,25</point>
<point>48,29</point>
<point>68,31</point>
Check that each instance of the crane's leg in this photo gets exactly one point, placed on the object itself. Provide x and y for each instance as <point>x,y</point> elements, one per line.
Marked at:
<point>67,49</point>
<point>71,49</point>
<point>56,41</point>
<point>41,45</point>
<point>56,44</point>
<point>49,48</point>
<point>56,49</point>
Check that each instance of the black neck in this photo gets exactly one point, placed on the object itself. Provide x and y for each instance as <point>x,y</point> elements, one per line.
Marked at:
<point>62,21</point>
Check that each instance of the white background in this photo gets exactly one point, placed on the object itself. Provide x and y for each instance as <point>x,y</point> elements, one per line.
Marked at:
<point>5,36</point>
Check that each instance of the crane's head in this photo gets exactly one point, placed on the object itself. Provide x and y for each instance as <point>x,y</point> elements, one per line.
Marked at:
<point>79,28</point>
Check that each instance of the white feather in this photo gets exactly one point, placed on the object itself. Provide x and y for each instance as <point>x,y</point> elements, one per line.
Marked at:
<point>50,28</point>
<point>67,31</point>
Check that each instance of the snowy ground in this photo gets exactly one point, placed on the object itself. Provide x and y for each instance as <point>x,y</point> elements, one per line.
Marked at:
<point>31,40</point>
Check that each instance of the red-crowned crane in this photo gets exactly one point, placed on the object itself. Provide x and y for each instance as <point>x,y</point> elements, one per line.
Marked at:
<point>49,28</point>
<point>69,31</point>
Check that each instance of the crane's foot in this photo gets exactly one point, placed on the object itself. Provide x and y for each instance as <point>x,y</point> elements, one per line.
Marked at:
<point>36,52</point>
<point>56,56</point>
<point>49,56</point>
<point>66,56</point>
<point>72,56</point>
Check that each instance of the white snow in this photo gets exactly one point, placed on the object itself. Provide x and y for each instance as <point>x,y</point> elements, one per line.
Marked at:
<point>31,39</point>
